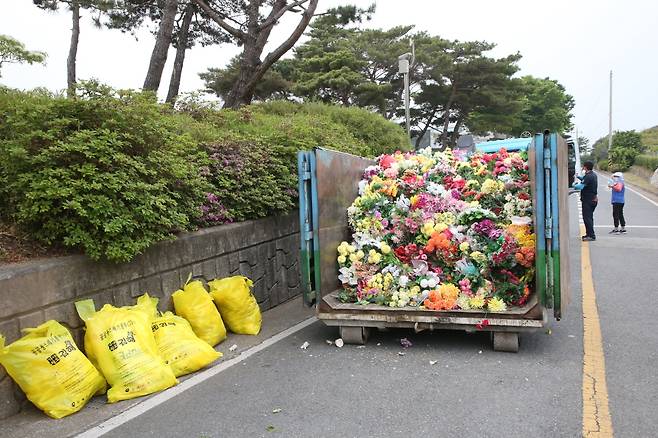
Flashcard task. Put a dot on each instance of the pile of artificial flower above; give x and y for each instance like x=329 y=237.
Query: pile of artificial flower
x=441 y=231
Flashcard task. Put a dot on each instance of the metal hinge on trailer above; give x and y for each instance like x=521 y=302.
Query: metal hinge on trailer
x=305 y=175
x=548 y=218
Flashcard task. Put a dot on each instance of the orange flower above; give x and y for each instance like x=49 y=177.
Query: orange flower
x=525 y=256
x=438 y=241
x=444 y=298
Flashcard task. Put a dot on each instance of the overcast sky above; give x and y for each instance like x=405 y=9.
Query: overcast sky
x=576 y=42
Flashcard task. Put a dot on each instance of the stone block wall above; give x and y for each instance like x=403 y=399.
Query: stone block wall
x=265 y=250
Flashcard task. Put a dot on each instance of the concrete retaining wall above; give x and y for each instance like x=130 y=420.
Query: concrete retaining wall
x=264 y=250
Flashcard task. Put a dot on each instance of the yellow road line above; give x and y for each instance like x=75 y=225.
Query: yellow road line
x=596 y=413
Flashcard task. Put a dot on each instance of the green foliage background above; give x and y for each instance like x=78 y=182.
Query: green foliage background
x=112 y=172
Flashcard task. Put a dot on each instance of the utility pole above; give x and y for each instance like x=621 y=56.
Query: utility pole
x=610 y=116
x=577 y=153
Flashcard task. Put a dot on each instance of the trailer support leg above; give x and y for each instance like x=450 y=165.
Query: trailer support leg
x=506 y=341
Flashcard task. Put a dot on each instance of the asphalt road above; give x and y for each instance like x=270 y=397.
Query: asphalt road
x=625 y=271
x=446 y=384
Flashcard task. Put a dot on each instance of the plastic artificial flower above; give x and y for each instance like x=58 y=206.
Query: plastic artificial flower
x=464 y=246
x=496 y=305
x=374 y=257
x=385 y=248
x=476 y=302
x=347 y=276
x=463 y=302
x=443 y=298
x=427 y=228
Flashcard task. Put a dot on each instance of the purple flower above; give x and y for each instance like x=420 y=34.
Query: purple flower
x=487 y=228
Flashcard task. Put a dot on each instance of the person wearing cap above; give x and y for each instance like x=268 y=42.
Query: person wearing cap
x=618 y=190
x=588 y=199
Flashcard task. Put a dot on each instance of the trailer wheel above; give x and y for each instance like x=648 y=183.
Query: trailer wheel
x=354 y=335
x=506 y=341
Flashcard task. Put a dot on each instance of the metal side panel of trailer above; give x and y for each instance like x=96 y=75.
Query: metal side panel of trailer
x=328 y=184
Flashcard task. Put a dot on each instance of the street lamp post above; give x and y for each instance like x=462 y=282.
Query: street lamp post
x=405 y=62
x=403 y=68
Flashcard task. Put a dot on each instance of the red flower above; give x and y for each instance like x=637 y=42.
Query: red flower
x=386 y=161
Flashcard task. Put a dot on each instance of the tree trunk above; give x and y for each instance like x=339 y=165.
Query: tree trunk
x=253 y=48
x=455 y=131
x=73 y=50
x=446 y=115
x=427 y=125
x=162 y=43
x=174 y=83
x=252 y=69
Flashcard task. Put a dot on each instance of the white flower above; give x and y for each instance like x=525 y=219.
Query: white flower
x=403 y=281
x=424 y=283
x=420 y=267
x=435 y=189
x=403 y=203
x=347 y=276
x=362 y=186
x=362 y=239
x=432 y=283
x=394 y=270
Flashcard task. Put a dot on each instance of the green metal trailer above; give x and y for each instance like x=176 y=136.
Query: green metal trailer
x=328 y=184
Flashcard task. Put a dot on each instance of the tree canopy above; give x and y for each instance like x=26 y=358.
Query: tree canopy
x=13 y=51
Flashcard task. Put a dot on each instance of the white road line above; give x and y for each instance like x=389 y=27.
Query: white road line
x=201 y=377
x=642 y=196
x=627 y=226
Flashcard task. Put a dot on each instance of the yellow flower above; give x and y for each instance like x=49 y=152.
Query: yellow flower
x=489 y=186
x=476 y=302
x=440 y=227
x=474 y=203
x=342 y=259
x=478 y=256
x=385 y=248
x=449 y=218
x=343 y=248
x=496 y=305
x=428 y=228
x=360 y=254
x=464 y=246
x=374 y=257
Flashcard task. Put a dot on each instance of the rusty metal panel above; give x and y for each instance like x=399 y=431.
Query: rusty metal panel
x=338 y=175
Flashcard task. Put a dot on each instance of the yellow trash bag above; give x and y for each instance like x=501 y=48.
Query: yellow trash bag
x=121 y=343
x=180 y=348
x=236 y=304
x=194 y=304
x=50 y=369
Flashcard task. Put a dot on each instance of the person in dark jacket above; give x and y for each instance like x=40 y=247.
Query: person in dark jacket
x=618 y=190
x=588 y=200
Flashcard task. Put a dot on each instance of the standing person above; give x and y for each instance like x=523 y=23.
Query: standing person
x=588 y=200
x=618 y=190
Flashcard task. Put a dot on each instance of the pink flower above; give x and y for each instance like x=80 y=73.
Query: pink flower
x=391 y=172
x=386 y=161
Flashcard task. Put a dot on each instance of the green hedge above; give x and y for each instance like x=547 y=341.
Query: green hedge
x=649 y=162
x=112 y=172
x=106 y=174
